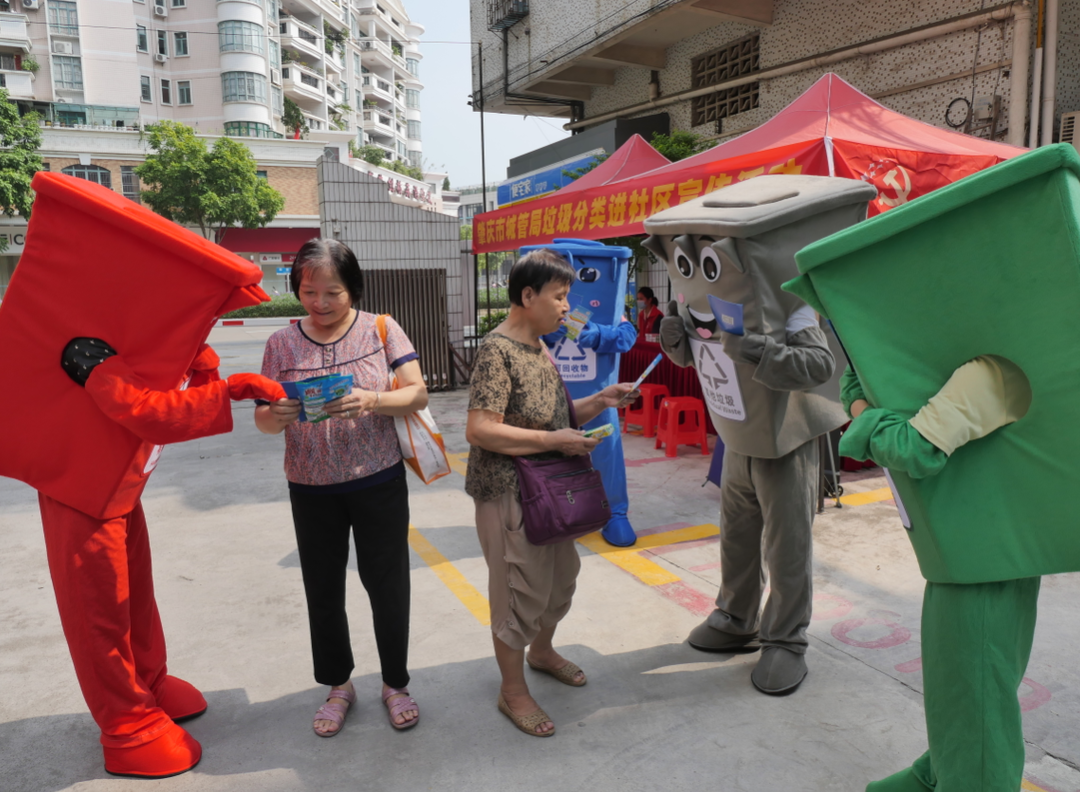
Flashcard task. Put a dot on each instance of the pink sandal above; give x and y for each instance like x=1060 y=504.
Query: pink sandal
x=334 y=712
x=400 y=706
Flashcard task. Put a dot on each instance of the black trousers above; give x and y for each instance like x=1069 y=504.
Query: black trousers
x=379 y=519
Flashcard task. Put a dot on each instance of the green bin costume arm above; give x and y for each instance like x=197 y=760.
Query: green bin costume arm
x=980 y=397
x=802 y=363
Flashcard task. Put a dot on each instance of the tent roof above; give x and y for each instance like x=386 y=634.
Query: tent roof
x=832 y=108
x=631 y=158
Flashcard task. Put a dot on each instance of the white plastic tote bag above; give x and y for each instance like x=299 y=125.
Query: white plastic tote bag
x=420 y=440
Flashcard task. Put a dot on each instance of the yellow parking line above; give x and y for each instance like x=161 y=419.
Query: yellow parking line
x=863 y=498
x=1030 y=787
x=458 y=462
x=450 y=576
x=628 y=559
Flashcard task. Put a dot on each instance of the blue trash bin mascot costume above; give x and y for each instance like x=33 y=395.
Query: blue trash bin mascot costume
x=591 y=361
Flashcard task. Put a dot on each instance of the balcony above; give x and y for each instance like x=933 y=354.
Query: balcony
x=301 y=37
x=506 y=13
x=334 y=63
x=378 y=123
x=387 y=54
x=301 y=85
x=19 y=84
x=13 y=32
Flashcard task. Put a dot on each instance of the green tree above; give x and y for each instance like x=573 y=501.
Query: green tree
x=20 y=138
x=213 y=189
x=466 y=232
x=405 y=169
x=577 y=173
x=446 y=183
x=679 y=144
x=293 y=118
x=371 y=154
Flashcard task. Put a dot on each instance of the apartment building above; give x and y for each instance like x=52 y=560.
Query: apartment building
x=221 y=66
x=722 y=67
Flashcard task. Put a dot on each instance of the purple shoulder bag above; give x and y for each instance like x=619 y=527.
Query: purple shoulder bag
x=561 y=499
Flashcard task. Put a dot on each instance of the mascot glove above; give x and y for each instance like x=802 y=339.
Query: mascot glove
x=206 y=359
x=851 y=389
x=254 y=386
x=589 y=337
x=745 y=348
x=82 y=355
x=982 y=395
x=674 y=341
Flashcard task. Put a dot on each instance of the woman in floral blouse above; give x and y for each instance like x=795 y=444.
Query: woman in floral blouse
x=346 y=474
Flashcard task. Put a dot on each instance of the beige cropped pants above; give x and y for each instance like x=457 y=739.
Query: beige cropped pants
x=529 y=587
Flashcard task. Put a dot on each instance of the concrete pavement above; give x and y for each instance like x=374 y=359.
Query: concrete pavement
x=656 y=714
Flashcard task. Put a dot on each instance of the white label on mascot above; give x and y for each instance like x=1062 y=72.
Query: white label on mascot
x=574 y=363
x=719 y=383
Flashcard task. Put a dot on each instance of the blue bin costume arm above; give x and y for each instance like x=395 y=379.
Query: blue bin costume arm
x=605 y=339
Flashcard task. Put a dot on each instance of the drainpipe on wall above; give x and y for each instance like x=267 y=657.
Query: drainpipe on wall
x=1018 y=77
x=1049 y=94
x=965 y=22
x=1036 y=81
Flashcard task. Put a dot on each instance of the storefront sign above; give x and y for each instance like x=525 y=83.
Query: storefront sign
x=284 y=270
x=15 y=237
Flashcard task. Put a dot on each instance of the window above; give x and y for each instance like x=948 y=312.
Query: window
x=401 y=149
x=249 y=129
x=7 y=62
x=733 y=60
x=415 y=158
x=180 y=48
x=359 y=98
x=179 y=3
x=183 y=92
x=94 y=173
x=63 y=18
x=278 y=100
x=261 y=174
x=144 y=85
x=238 y=36
x=275 y=54
x=67 y=72
x=243 y=87
x=412 y=98
x=272 y=7
x=129 y=183
x=166 y=92
x=140 y=39
x=355 y=64
x=162 y=42
x=414 y=130
x=413 y=65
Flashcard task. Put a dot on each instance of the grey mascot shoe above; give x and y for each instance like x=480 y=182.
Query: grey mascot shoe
x=779 y=671
x=709 y=639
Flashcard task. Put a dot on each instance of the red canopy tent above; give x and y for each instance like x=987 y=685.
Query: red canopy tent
x=831 y=130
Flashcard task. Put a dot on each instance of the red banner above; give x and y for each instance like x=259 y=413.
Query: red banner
x=620 y=208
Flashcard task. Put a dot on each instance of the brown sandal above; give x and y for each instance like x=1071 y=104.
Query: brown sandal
x=527 y=723
x=565 y=674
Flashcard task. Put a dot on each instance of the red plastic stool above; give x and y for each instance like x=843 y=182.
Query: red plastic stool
x=682 y=422
x=645 y=416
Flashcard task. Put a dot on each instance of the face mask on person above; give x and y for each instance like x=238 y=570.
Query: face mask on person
x=641 y=305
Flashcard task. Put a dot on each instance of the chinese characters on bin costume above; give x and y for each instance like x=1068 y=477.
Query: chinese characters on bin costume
x=113 y=329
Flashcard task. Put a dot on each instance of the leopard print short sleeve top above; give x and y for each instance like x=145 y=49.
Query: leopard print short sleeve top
x=520 y=383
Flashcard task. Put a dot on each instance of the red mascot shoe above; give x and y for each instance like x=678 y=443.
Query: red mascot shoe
x=173 y=753
x=181 y=700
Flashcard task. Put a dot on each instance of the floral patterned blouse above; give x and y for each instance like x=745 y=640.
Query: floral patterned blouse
x=335 y=451
x=520 y=383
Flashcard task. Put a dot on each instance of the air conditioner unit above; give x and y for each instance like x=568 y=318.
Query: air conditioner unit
x=160 y=10
x=1070 y=129
x=63 y=47
x=161 y=57
x=31 y=5
x=275 y=77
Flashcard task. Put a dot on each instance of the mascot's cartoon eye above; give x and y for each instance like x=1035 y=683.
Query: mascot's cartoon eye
x=710 y=265
x=684 y=264
x=588 y=274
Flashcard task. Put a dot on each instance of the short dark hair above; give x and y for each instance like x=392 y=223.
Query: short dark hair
x=329 y=254
x=537 y=268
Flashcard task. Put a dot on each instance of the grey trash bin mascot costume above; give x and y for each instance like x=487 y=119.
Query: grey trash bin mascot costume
x=739 y=244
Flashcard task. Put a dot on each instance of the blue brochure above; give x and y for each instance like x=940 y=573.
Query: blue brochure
x=728 y=314
x=314 y=392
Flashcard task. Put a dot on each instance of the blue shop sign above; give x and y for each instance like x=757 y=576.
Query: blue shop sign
x=284 y=270
x=538 y=183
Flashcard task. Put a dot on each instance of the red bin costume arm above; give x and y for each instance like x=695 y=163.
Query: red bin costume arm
x=162 y=417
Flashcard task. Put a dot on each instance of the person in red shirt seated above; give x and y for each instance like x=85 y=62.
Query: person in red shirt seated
x=649 y=314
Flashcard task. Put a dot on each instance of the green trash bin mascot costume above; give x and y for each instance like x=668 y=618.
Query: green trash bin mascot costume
x=935 y=303
x=762 y=374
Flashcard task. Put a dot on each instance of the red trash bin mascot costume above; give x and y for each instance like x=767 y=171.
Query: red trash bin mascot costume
x=98 y=266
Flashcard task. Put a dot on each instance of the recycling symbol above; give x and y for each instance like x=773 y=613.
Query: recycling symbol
x=718 y=376
x=568 y=349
